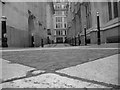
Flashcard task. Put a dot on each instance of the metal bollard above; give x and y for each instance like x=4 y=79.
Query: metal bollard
x=42 y=44
x=4 y=32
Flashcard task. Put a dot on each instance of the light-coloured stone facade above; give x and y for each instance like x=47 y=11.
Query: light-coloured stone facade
x=20 y=26
x=83 y=14
x=60 y=21
x=49 y=20
x=0 y=20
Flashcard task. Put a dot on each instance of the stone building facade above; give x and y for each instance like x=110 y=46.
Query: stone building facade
x=0 y=22
x=24 y=20
x=83 y=15
x=60 y=21
x=49 y=22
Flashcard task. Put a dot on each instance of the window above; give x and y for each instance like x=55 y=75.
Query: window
x=58 y=19
x=58 y=12
x=115 y=6
x=56 y=26
x=65 y=32
x=49 y=31
x=88 y=15
x=110 y=10
x=65 y=25
x=59 y=32
x=65 y=19
x=113 y=10
x=59 y=25
x=58 y=6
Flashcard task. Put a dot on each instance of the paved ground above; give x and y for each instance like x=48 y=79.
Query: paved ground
x=12 y=70
x=50 y=80
x=88 y=75
x=102 y=70
x=55 y=59
x=61 y=67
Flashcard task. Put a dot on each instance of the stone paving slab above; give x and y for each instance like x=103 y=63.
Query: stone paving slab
x=102 y=70
x=50 y=80
x=12 y=70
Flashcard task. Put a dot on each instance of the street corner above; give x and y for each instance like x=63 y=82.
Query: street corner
x=50 y=80
x=103 y=70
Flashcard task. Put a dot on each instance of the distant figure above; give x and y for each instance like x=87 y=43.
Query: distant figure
x=79 y=40
x=48 y=40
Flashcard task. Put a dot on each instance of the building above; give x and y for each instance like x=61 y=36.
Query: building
x=0 y=22
x=60 y=21
x=83 y=15
x=26 y=23
x=49 y=22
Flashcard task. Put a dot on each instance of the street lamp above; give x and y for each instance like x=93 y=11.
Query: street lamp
x=4 y=35
x=85 y=35
x=98 y=32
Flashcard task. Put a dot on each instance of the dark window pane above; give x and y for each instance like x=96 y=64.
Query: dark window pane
x=110 y=10
x=115 y=5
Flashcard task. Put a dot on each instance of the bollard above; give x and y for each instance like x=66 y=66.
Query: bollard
x=85 y=36
x=98 y=27
x=4 y=32
x=42 y=44
x=32 y=38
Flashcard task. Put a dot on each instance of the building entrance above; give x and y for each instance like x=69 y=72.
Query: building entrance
x=59 y=39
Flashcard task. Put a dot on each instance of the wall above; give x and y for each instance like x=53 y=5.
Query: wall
x=108 y=28
x=49 y=19
x=0 y=19
x=18 y=30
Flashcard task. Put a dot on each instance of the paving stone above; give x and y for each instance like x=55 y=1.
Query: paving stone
x=49 y=80
x=101 y=70
x=13 y=70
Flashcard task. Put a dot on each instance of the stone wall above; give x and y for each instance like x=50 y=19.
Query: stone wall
x=0 y=20
x=18 y=29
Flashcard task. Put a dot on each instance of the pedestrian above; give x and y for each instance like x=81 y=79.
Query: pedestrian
x=79 y=40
